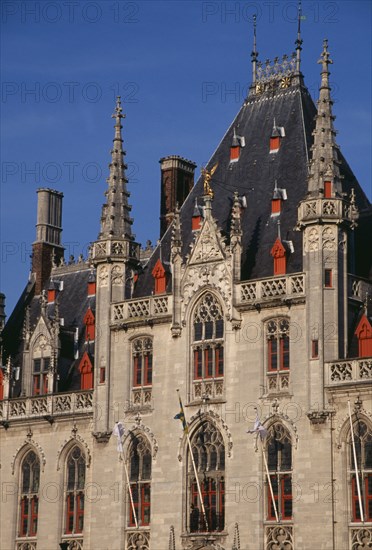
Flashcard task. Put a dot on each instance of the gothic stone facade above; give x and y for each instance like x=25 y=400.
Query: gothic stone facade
x=244 y=316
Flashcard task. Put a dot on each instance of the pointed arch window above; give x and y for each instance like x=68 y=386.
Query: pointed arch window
x=29 y=501
x=209 y=456
x=208 y=339
x=75 y=488
x=277 y=335
x=140 y=481
x=279 y=461
x=363 y=448
x=142 y=362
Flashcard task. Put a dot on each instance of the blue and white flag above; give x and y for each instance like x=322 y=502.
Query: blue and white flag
x=258 y=428
x=119 y=431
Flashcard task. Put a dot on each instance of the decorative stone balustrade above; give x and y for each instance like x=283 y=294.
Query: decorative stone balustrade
x=327 y=209
x=358 y=288
x=212 y=388
x=119 y=249
x=288 y=286
x=349 y=371
x=53 y=405
x=155 y=306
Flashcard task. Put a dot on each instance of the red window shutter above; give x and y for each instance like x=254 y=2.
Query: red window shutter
x=208 y=362
x=137 y=370
x=284 y=353
x=34 y=514
x=270 y=506
x=276 y=206
x=148 y=369
x=195 y=223
x=274 y=143
x=327 y=189
x=328 y=278
x=355 y=500
x=234 y=152
x=146 y=504
x=79 y=513
x=272 y=354
x=219 y=360
x=198 y=364
x=24 y=517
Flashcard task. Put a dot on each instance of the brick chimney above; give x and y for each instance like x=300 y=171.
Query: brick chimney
x=177 y=180
x=48 y=236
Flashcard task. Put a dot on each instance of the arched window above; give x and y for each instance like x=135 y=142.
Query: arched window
x=140 y=480
x=279 y=461
x=142 y=362
x=29 y=502
x=277 y=334
x=208 y=334
x=75 y=485
x=208 y=450
x=363 y=448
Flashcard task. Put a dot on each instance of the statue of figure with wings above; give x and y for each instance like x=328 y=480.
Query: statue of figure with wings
x=207 y=176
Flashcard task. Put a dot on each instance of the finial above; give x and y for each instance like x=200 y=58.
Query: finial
x=254 y=54
x=325 y=60
x=118 y=113
x=299 y=40
x=207 y=176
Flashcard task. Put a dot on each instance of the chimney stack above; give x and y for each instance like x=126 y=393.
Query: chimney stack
x=48 y=236
x=177 y=180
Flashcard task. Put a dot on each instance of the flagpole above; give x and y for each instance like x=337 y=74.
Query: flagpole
x=130 y=495
x=356 y=465
x=195 y=470
x=269 y=480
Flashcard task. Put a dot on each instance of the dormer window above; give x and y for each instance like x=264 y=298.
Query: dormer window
x=238 y=142
x=86 y=372
x=278 y=252
x=53 y=289
x=279 y=196
x=276 y=136
x=92 y=284
x=197 y=217
x=160 y=277
x=364 y=335
x=327 y=189
x=89 y=322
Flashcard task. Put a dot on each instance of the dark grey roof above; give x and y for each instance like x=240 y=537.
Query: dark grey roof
x=254 y=175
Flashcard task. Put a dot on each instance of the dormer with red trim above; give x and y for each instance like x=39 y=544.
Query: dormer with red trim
x=276 y=137
x=278 y=252
x=89 y=322
x=238 y=142
x=197 y=217
x=279 y=196
x=86 y=372
x=53 y=289
x=364 y=335
x=160 y=277
x=92 y=284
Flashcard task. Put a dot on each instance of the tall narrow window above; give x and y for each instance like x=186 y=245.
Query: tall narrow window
x=29 y=502
x=40 y=376
x=363 y=448
x=208 y=334
x=75 y=486
x=277 y=334
x=140 y=481
x=209 y=456
x=279 y=461
x=142 y=362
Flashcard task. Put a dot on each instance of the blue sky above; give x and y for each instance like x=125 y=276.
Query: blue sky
x=182 y=69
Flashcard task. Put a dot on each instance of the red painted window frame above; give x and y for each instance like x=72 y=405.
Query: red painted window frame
x=70 y=512
x=284 y=352
x=314 y=349
x=34 y=516
x=140 y=504
x=148 y=369
x=208 y=362
x=80 y=508
x=328 y=276
x=219 y=360
x=272 y=351
x=198 y=364
x=137 y=370
x=23 y=526
x=365 y=501
x=283 y=497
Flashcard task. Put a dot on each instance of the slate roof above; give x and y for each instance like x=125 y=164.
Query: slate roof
x=73 y=304
x=254 y=176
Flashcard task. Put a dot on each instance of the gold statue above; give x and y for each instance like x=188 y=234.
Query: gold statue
x=207 y=176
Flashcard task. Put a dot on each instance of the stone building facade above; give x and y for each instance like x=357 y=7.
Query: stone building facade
x=254 y=306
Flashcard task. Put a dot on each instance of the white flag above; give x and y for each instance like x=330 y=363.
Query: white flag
x=258 y=428
x=119 y=432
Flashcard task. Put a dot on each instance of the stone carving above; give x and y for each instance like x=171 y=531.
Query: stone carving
x=138 y=540
x=138 y=428
x=117 y=275
x=361 y=539
x=74 y=544
x=279 y=538
x=103 y=276
x=209 y=244
x=312 y=241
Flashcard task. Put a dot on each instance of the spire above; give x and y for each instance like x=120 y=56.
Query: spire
x=115 y=219
x=299 y=40
x=254 y=54
x=324 y=166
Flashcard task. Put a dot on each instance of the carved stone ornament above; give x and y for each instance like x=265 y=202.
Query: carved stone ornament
x=204 y=543
x=312 y=240
x=343 y=427
x=103 y=275
x=29 y=443
x=139 y=427
x=84 y=446
x=117 y=275
x=209 y=245
x=102 y=437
